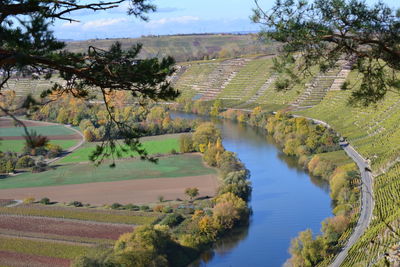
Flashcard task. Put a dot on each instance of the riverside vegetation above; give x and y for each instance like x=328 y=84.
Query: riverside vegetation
x=181 y=236
x=317 y=150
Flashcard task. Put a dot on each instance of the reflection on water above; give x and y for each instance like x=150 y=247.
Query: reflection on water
x=285 y=200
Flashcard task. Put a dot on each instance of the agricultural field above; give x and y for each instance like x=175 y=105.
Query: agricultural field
x=185 y=47
x=152 y=145
x=69 y=232
x=12 y=138
x=167 y=167
x=18 y=145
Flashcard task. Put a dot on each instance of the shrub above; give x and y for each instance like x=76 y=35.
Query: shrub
x=45 y=201
x=131 y=207
x=172 y=219
x=116 y=206
x=158 y=208
x=76 y=204
x=53 y=150
x=144 y=208
x=192 y=192
x=29 y=200
x=160 y=198
x=25 y=162
x=167 y=209
x=40 y=166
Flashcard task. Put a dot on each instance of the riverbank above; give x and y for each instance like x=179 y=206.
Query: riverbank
x=258 y=118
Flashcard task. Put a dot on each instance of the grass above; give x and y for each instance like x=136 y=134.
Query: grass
x=126 y=217
x=43 y=130
x=337 y=157
x=42 y=248
x=18 y=145
x=96 y=241
x=167 y=167
x=163 y=146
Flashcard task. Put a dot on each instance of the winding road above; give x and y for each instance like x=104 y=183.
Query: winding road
x=367 y=203
x=367 y=199
x=71 y=149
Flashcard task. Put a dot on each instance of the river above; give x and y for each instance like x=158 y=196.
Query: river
x=285 y=200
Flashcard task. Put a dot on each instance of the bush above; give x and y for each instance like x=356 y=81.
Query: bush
x=53 y=150
x=116 y=206
x=131 y=207
x=172 y=219
x=167 y=209
x=144 y=208
x=29 y=200
x=25 y=162
x=158 y=208
x=76 y=204
x=45 y=201
x=40 y=166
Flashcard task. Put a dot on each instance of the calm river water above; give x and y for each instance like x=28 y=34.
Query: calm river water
x=285 y=200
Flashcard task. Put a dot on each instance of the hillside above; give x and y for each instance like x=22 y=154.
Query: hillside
x=185 y=47
x=249 y=82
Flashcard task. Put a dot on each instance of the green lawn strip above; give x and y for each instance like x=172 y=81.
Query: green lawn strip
x=18 y=145
x=89 y=215
x=152 y=147
x=337 y=157
x=77 y=239
x=43 y=248
x=43 y=130
x=167 y=167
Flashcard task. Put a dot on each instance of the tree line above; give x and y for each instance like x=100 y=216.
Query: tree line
x=180 y=241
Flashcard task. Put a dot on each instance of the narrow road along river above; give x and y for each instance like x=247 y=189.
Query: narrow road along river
x=285 y=201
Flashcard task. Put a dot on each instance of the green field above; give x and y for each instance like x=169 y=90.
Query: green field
x=18 y=145
x=162 y=146
x=167 y=167
x=43 y=130
x=84 y=214
x=42 y=248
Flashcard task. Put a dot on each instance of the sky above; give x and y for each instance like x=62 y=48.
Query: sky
x=172 y=17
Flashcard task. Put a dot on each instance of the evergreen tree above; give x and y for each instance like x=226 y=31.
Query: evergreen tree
x=324 y=31
x=29 y=47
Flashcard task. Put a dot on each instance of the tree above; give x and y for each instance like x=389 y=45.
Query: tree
x=205 y=133
x=216 y=108
x=34 y=141
x=30 y=47
x=192 y=192
x=324 y=31
x=9 y=168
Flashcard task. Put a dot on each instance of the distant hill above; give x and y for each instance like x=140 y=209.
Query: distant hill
x=186 y=47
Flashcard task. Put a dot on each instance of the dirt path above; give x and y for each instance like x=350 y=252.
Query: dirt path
x=124 y=192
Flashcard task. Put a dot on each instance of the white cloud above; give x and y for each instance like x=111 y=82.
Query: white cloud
x=94 y=24
x=180 y=20
x=71 y=24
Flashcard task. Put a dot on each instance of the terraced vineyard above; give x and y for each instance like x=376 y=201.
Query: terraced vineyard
x=25 y=86
x=374 y=132
x=244 y=82
x=248 y=80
